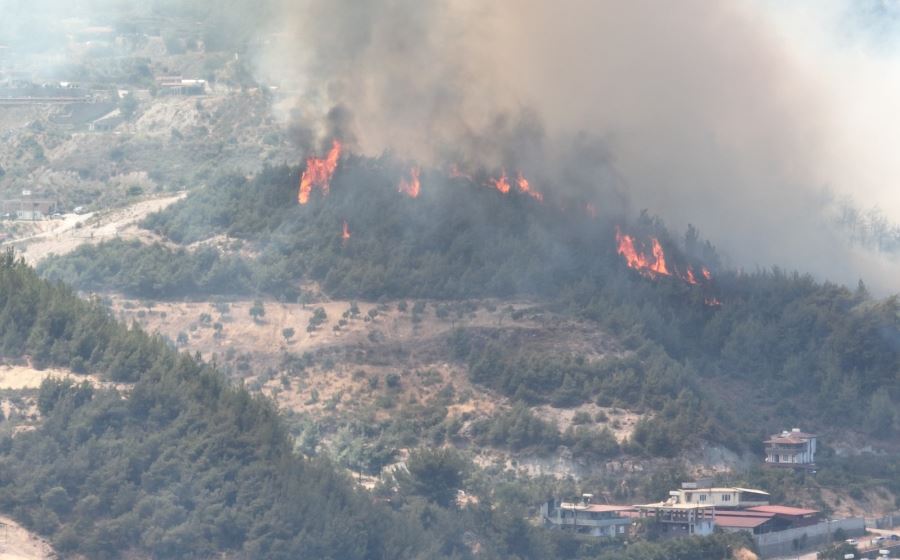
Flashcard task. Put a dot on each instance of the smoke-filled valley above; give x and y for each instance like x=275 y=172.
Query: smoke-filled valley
x=379 y=280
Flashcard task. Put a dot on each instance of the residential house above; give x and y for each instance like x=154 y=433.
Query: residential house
x=703 y=493
x=27 y=208
x=581 y=516
x=679 y=519
x=793 y=449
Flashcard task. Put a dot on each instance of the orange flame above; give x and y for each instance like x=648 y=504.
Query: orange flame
x=318 y=173
x=660 y=266
x=455 y=173
x=412 y=186
x=345 y=233
x=633 y=258
x=637 y=259
x=706 y=273
x=524 y=187
x=712 y=302
x=690 y=276
x=501 y=184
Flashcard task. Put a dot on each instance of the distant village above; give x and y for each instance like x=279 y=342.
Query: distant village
x=700 y=508
x=85 y=107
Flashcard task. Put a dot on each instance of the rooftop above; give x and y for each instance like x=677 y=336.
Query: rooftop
x=596 y=508
x=744 y=513
x=784 y=510
x=667 y=505
x=725 y=490
x=795 y=432
x=743 y=522
x=789 y=440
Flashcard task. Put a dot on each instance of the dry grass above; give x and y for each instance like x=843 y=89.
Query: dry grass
x=350 y=357
x=26 y=377
x=620 y=422
x=16 y=543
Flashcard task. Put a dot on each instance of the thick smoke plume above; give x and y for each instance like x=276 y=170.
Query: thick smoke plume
x=708 y=113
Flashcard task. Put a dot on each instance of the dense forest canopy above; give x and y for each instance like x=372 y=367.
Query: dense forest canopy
x=776 y=331
x=183 y=465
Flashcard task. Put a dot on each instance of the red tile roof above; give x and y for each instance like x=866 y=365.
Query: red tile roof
x=743 y=513
x=784 y=510
x=748 y=522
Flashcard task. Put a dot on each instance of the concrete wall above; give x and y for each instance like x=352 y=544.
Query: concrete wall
x=793 y=540
x=887 y=522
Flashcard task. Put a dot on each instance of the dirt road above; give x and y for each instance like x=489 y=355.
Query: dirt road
x=65 y=234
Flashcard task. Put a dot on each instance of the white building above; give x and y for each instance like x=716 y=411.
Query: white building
x=720 y=497
x=793 y=449
x=680 y=520
x=582 y=516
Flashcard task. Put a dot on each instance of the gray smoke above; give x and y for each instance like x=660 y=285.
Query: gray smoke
x=748 y=118
x=704 y=113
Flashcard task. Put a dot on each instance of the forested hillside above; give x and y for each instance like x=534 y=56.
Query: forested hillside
x=828 y=353
x=182 y=465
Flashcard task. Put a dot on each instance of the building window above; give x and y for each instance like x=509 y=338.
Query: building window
x=726 y=498
x=702 y=497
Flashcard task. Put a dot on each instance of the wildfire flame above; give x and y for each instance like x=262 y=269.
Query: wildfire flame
x=412 y=186
x=318 y=173
x=712 y=302
x=637 y=259
x=690 y=276
x=524 y=187
x=654 y=264
x=501 y=184
x=659 y=266
x=345 y=232
x=456 y=173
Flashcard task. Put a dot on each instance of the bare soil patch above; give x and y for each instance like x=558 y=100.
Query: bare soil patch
x=64 y=235
x=16 y=543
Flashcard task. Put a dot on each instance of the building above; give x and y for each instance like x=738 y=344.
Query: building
x=793 y=449
x=766 y=519
x=679 y=520
x=757 y=523
x=176 y=85
x=27 y=208
x=694 y=509
x=703 y=493
x=787 y=517
x=582 y=516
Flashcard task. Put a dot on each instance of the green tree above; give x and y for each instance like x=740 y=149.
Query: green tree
x=257 y=310
x=128 y=105
x=434 y=474
x=838 y=552
x=881 y=415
